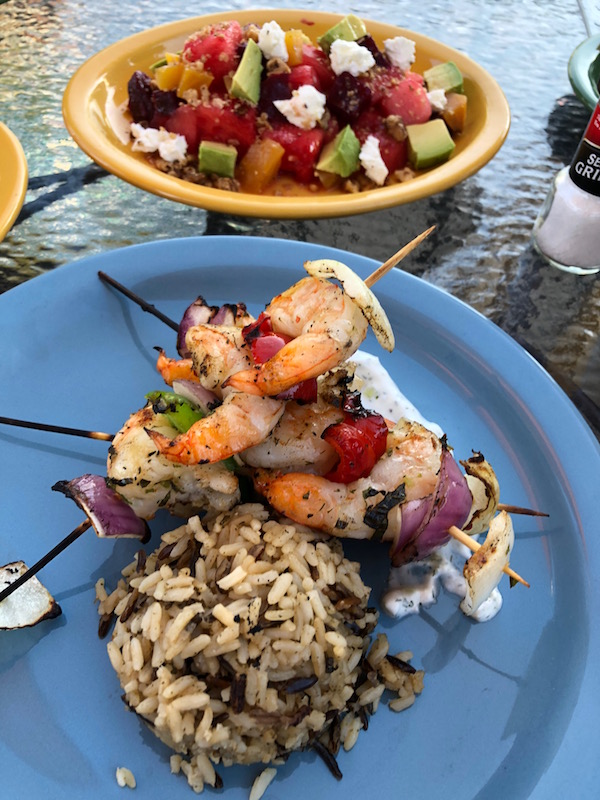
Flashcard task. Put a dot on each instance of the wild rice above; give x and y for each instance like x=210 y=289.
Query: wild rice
x=246 y=640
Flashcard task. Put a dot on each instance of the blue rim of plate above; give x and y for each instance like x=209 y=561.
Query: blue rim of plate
x=584 y=71
x=494 y=717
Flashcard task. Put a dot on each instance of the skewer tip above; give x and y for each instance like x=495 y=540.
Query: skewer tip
x=469 y=542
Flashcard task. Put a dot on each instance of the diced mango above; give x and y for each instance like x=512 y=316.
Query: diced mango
x=173 y=58
x=260 y=165
x=455 y=113
x=168 y=77
x=294 y=39
x=193 y=78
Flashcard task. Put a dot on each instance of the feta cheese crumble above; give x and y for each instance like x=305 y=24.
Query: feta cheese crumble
x=171 y=146
x=437 y=98
x=350 y=57
x=271 y=40
x=305 y=107
x=400 y=51
x=372 y=162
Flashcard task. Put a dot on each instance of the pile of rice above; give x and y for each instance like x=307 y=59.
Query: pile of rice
x=247 y=639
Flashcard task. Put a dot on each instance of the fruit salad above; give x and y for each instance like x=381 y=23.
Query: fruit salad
x=241 y=108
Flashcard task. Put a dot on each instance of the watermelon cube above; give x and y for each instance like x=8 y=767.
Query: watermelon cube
x=393 y=152
x=302 y=149
x=217 y=47
x=227 y=122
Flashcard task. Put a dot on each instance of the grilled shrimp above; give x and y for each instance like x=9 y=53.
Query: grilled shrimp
x=217 y=351
x=149 y=481
x=241 y=421
x=325 y=326
x=175 y=369
x=412 y=461
x=295 y=443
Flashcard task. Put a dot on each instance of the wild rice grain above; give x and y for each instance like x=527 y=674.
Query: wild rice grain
x=256 y=649
x=261 y=783
x=125 y=777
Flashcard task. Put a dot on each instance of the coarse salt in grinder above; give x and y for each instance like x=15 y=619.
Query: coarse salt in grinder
x=567 y=230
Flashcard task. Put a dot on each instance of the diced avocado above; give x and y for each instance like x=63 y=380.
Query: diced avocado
x=217 y=158
x=340 y=156
x=245 y=83
x=350 y=29
x=446 y=76
x=428 y=144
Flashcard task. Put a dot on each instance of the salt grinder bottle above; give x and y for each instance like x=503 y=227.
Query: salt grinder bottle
x=567 y=230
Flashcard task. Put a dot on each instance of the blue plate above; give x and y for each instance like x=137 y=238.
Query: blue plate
x=510 y=707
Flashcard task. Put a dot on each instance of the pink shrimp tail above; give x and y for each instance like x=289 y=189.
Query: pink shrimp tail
x=173 y=449
x=247 y=380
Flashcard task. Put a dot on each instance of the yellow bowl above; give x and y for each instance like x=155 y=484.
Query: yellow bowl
x=86 y=95
x=13 y=179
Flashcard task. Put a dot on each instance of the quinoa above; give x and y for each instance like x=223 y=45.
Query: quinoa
x=249 y=638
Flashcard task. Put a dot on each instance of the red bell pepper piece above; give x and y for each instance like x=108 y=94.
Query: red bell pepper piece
x=264 y=344
x=360 y=440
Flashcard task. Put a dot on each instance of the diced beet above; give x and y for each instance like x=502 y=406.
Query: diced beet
x=393 y=152
x=184 y=122
x=227 y=123
x=348 y=97
x=165 y=103
x=139 y=90
x=381 y=60
x=304 y=74
x=302 y=149
x=315 y=57
x=408 y=100
x=217 y=47
x=274 y=87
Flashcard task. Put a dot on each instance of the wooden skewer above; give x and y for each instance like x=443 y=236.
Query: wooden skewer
x=529 y=512
x=397 y=257
x=42 y=426
x=139 y=300
x=469 y=542
x=62 y=545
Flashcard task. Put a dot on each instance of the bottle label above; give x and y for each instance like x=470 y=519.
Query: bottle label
x=585 y=167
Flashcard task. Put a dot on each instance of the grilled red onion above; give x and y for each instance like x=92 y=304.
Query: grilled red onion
x=197 y=395
x=109 y=514
x=200 y=313
x=425 y=522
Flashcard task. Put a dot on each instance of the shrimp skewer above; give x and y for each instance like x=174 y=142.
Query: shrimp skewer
x=325 y=326
x=369 y=507
x=241 y=421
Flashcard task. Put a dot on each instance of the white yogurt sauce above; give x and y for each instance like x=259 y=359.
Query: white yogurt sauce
x=415 y=585
x=380 y=393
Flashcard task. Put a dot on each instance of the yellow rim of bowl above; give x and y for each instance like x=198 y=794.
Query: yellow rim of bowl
x=13 y=179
